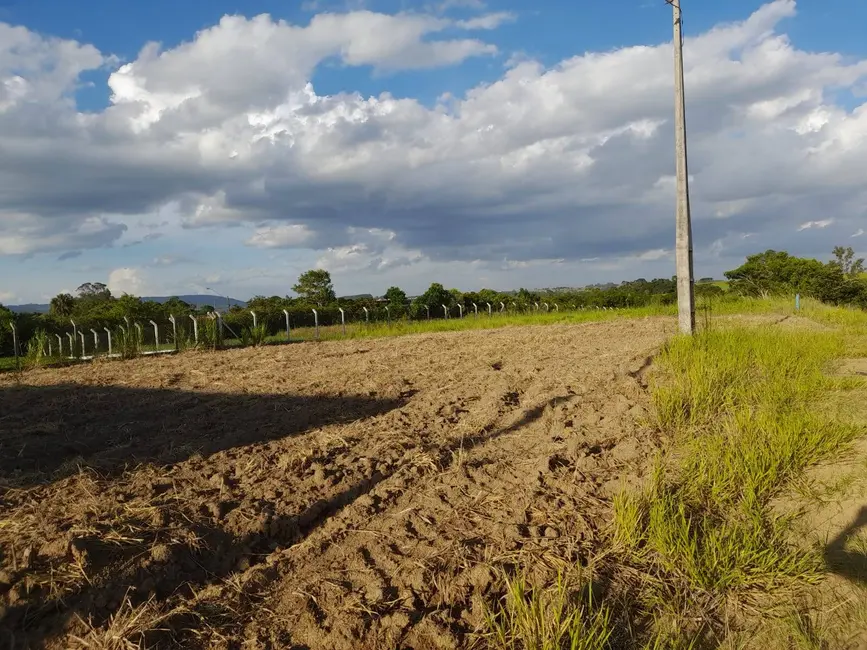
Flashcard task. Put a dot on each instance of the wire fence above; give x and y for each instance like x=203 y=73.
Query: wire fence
x=242 y=328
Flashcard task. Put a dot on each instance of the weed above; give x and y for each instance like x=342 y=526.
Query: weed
x=552 y=618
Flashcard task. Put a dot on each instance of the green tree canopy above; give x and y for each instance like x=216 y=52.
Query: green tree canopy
x=62 y=305
x=844 y=259
x=396 y=297
x=315 y=287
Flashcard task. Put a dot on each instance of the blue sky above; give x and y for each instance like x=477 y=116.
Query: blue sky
x=170 y=186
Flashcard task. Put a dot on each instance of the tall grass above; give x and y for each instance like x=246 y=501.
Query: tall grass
x=744 y=409
x=553 y=618
x=128 y=342
x=37 y=349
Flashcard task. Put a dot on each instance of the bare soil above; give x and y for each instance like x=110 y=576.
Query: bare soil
x=358 y=494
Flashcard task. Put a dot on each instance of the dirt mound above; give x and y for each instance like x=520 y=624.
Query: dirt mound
x=338 y=495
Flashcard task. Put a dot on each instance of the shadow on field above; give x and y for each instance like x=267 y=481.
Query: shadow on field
x=47 y=432
x=851 y=564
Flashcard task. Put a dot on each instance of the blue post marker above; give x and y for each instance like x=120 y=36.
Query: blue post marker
x=798 y=302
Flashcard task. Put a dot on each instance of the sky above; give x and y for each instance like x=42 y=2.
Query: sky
x=227 y=146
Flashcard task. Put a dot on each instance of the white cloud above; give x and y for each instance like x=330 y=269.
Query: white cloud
x=824 y=223
x=126 y=280
x=572 y=161
x=857 y=233
x=285 y=236
x=6 y=296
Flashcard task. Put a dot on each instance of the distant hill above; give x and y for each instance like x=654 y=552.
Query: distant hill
x=197 y=300
x=200 y=300
x=28 y=309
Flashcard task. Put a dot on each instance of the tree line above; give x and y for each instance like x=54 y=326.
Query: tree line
x=839 y=281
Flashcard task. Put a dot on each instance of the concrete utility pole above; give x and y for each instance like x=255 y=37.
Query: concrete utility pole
x=683 y=240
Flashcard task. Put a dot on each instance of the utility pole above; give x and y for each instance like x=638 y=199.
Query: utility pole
x=683 y=228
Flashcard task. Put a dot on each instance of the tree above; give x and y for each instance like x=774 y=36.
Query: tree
x=62 y=306
x=774 y=272
x=396 y=297
x=844 y=259
x=315 y=287
x=93 y=291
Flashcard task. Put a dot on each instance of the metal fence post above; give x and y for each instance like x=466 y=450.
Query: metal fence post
x=195 y=328
x=366 y=315
x=388 y=316
x=156 y=336
x=502 y=307
x=174 y=331
x=460 y=310
x=15 y=346
x=316 y=323
x=71 y=345
x=490 y=311
x=427 y=307
x=797 y=302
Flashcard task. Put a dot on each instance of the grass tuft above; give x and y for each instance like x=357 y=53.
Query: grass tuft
x=560 y=616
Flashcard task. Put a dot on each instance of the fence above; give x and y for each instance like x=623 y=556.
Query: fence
x=239 y=328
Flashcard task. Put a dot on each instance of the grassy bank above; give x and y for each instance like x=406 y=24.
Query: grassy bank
x=701 y=552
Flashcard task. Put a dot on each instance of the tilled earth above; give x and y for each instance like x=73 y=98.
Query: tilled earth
x=344 y=495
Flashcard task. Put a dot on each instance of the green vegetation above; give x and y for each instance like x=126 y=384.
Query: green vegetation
x=744 y=410
x=549 y=618
x=777 y=273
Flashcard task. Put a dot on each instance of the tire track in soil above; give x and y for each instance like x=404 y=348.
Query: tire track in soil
x=380 y=533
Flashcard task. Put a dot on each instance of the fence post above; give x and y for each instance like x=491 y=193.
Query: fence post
x=460 y=310
x=95 y=342
x=388 y=316
x=427 y=307
x=537 y=305
x=476 y=309
x=255 y=322
x=316 y=322
x=59 y=344
x=797 y=302
x=288 y=331
x=502 y=307
x=556 y=307
x=83 y=345
x=342 y=319
x=50 y=348
x=547 y=306
x=71 y=345
x=108 y=333
x=445 y=312
x=156 y=335
x=15 y=346
x=174 y=331
x=366 y=315
x=195 y=328
x=490 y=311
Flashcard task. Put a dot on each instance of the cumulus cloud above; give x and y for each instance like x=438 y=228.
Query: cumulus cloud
x=568 y=162
x=126 y=280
